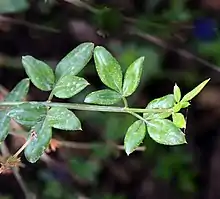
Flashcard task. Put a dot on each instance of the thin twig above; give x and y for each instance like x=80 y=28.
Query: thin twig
x=87 y=146
x=88 y=107
x=182 y=52
x=28 y=24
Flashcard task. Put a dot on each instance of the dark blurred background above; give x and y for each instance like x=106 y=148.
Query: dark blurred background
x=180 y=40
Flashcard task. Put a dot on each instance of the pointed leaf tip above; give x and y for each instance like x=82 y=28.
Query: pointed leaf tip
x=132 y=77
x=189 y=96
x=134 y=136
x=108 y=68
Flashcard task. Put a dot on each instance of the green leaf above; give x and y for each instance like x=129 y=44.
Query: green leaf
x=134 y=136
x=40 y=73
x=75 y=61
x=62 y=118
x=165 y=102
x=19 y=92
x=11 y=6
x=39 y=143
x=69 y=85
x=179 y=120
x=165 y=132
x=108 y=68
x=184 y=104
x=195 y=91
x=28 y=114
x=177 y=107
x=177 y=93
x=132 y=77
x=4 y=125
x=103 y=97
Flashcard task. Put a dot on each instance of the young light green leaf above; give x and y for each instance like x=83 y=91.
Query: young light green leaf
x=195 y=91
x=103 y=97
x=165 y=132
x=176 y=93
x=165 y=102
x=28 y=114
x=40 y=73
x=75 y=61
x=69 y=85
x=62 y=118
x=179 y=120
x=108 y=68
x=134 y=136
x=39 y=142
x=177 y=107
x=19 y=92
x=4 y=125
x=184 y=104
x=132 y=77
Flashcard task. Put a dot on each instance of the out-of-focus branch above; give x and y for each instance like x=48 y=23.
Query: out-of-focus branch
x=28 y=194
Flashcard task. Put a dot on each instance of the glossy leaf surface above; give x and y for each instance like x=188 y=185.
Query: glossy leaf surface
x=176 y=93
x=39 y=143
x=179 y=120
x=69 y=86
x=132 y=77
x=103 y=97
x=28 y=114
x=134 y=136
x=75 y=60
x=165 y=132
x=40 y=73
x=62 y=118
x=108 y=68
x=165 y=102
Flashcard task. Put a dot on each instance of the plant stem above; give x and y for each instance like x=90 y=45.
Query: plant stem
x=125 y=102
x=86 y=107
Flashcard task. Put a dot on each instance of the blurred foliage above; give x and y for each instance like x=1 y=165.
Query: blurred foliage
x=13 y=6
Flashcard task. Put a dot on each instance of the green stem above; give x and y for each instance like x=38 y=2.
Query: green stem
x=125 y=102
x=139 y=117
x=50 y=97
x=86 y=107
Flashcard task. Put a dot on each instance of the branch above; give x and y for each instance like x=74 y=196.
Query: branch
x=86 y=107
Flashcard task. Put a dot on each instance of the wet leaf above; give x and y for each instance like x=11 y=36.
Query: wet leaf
x=62 y=118
x=39 y=142
x=134 y=136
x=165 y=102
x=108 y=68
x=132 y=77
x=28 y=114
x=40 y=73
x=195 y=91
x=69 y=85
x=165 y=132
x=75 y=61
x=103 y=97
